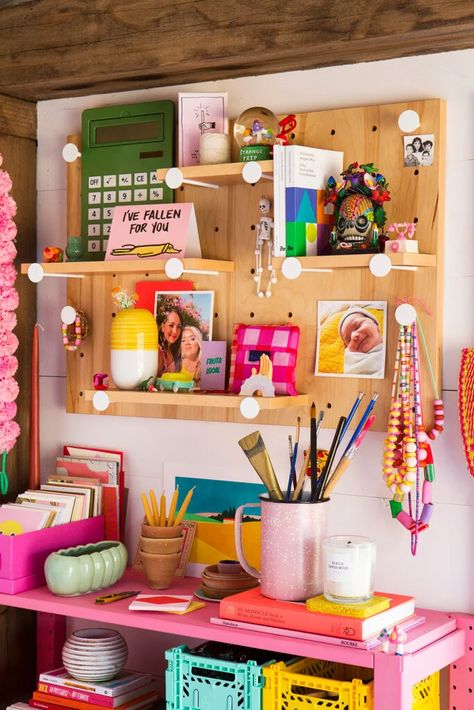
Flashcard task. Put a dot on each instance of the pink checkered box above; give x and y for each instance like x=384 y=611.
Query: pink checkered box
x=279 y=342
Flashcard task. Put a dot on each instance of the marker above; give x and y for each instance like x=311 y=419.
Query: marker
x=109 y=598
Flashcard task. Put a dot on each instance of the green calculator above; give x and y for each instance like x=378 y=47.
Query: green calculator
x=122 y=147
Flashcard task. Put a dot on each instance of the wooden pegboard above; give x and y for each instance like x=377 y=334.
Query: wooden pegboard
x=226 y=219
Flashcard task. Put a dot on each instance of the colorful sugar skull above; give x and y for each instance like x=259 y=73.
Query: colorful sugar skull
x=358 y=211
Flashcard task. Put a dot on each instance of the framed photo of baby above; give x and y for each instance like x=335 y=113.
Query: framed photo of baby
x=184 y=320
x=351 y=339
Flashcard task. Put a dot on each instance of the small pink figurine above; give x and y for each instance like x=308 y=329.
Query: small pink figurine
x=100 y=381
x=384 y=637
x=398 y=637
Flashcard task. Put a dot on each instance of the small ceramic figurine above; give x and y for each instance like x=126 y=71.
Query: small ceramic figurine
x=260 y=385
x=403 y=243
x=264 y=240
x=384 y=637
x=358 y=210
x=398 y=637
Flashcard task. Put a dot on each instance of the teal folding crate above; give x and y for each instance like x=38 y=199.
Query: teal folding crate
x=200 y=682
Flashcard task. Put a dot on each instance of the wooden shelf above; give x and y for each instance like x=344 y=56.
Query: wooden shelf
x=361 y=261
x=223 y=400
x=221 y=174
x=130 y=266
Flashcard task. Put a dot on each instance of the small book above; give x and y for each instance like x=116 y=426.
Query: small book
x=45 y=701
x=251 y=606
x=121 y=684
x=74 y=692
x=173 y=603
x=373 y=606
x=17 y=519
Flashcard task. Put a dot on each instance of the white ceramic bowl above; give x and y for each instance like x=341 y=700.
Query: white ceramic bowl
x=95 y=654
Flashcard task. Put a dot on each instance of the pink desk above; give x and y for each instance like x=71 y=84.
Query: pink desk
x=439 y=642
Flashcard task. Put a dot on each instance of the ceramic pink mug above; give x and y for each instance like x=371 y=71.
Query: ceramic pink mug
x=291 y=553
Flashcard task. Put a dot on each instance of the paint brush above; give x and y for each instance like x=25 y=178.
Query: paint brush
x=301 y=477
x=253 y=447
x=344 y=463
x=313 y=452
x=327 y=467
x=350 y=416
x=293 y=457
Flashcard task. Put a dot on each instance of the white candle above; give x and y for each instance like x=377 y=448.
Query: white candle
x=349 y=564
x=214 y=148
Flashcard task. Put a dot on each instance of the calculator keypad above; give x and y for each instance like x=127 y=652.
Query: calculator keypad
x=106 y=191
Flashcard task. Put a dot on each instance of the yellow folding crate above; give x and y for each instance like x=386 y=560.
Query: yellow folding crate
x=324 y=685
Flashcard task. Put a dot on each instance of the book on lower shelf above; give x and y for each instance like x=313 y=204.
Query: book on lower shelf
x=123 y=683
x=252 y=607
x=46 y=701
x=371 y=642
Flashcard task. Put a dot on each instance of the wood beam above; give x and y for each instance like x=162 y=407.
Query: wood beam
x=52 y=49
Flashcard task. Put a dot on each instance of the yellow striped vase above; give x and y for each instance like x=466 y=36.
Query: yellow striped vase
x=134 y=347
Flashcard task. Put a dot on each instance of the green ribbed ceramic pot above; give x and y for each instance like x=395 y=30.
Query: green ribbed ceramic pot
x=85 y=568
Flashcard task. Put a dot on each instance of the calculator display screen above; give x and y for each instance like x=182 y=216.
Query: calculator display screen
x=125 y=132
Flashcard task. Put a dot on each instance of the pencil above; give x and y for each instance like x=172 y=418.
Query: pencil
x=174 y=502
x=184 y=507
x=350 y=416
x=327 y=467
x=154 y=508
x=313 y=452
x=147 y=509
x=163 y=510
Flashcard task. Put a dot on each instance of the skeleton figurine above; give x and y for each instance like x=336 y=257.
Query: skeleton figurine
x=264 y=239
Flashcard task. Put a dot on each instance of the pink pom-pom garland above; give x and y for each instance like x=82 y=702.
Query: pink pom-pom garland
x=8 y=389
x=8 y=343
x=7 y=411
x=7 y=274
x=8 y=366
x=9 y=429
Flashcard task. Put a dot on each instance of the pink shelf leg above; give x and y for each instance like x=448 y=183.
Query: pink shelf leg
x=50 y=637
x=461 y=672
x=392 y=690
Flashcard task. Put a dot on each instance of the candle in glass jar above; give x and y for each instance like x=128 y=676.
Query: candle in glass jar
x=349 y=565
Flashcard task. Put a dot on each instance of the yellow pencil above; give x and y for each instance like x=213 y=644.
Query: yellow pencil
x=147 y=509
x=163 y=510
x=154 y=507
x=172 y=509
x=184 y=507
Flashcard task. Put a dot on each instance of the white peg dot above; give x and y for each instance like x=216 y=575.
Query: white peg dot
x=249 y=407
x=291 y=267
x=408 y=121
x=71 y=152
x=251 y=172
x=174 y=178
x=174 y=268
x=35 y=273
x=68 y=315
x=380 y=265
x=101 y=401
x=405 y=314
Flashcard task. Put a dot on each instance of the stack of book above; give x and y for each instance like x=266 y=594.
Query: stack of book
x=86 y=483
x=357 y=625
x=128 y=691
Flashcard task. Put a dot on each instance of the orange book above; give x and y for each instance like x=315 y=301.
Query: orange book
x=142 y=701
x=252 y=607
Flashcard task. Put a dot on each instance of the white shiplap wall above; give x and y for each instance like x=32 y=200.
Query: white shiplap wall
x=442 y=574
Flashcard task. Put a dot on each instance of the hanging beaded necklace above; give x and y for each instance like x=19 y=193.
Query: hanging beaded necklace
x=408 y=468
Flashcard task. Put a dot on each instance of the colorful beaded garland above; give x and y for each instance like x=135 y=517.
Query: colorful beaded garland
x=407 y=457
x=466 y=405
x=78 y=334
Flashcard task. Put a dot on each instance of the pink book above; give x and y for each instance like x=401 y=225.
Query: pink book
x=251 y=606
x=61 y=692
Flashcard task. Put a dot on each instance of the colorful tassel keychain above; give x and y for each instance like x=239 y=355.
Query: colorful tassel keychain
x=466 y=405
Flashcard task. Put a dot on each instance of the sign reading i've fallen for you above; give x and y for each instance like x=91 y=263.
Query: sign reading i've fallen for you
x=154 y=232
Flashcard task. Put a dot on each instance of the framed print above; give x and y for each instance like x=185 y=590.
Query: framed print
x=351 y=339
